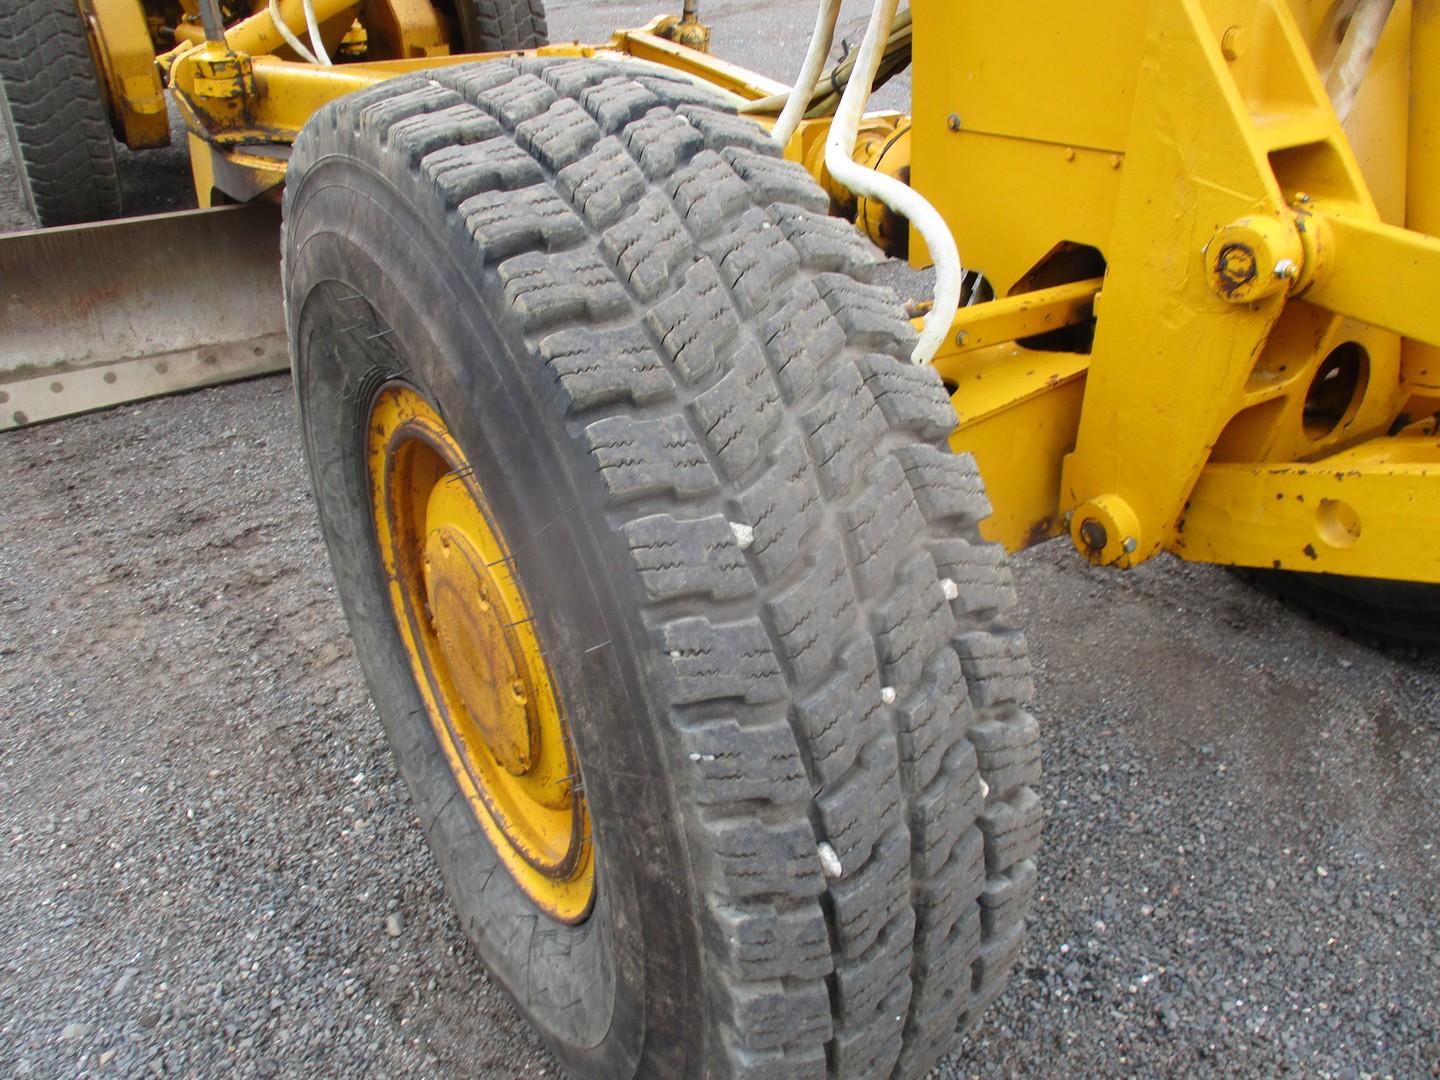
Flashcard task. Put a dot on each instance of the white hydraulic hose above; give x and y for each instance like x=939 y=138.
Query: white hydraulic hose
x=901 y=198
x=289 y=35
x=1352 y=61
x=313 y=25
x=804 y=88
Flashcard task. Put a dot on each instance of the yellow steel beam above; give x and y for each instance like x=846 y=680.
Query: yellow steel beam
x=1373 y=511
x=1012 y=318
x=1380 y=274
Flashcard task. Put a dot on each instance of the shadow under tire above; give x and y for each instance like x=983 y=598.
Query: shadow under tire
x=783 y=651
x=55 y=115
x=1405 y=613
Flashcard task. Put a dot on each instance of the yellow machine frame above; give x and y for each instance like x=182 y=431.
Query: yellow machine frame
x=1217 y=328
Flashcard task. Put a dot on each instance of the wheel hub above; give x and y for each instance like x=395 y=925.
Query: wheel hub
x=482 y=652
x=470 y=639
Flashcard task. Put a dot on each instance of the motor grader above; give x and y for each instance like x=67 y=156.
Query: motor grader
x=660 y=526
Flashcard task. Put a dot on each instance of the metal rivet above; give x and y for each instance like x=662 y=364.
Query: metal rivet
x=953 y=121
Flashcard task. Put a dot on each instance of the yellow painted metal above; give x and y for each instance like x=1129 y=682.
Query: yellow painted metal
x=1012 y=318
x=470 y=637
x=1420 y=365
x=126 y=56
x=647 y=44
x=404 y=29
x=1369 y=511
x=1261 y=261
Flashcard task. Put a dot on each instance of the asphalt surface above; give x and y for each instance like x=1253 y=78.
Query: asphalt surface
x=209 y=865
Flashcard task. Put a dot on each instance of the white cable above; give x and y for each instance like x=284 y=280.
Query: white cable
x=1352 y=60
x=804 y=89
x=901 y=198
x=289 y=36
x=313 y=25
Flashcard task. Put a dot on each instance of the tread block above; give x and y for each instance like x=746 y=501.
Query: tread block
x=1008 y=750
x=997 y=957
x=646 y=457
x=379 y=115
x=459 y=125
x=687 y=558
x=775 y=180
x=870 y=314
x=707 y=193
x=570 y=77
x=912 y=398
x=882 y=976
x=768 y=944
x=946 y=485
x=678 y=90
x=662 y=141
x=737 y=415
x=793 y=1063
x=843 y=429
x=602 y=183
x=711 y=662
x=981 y=575
x=733 y=763
x=772 y=1017
x=996 y=666
x=873 y=894
x=616 y=101
x=560 y=136
x=844 y=714
x=943 y=898
x=827 y=243
x=472 y=80
x=863 y=804
x=942 y=812
x=521 y=98
x=803 y=337
x=595 y=367
x=459 y=172
x=879 y=524
x=695 y=323
x=546 y=289
x=1006 y=897
x=755 y=260
x=1012 y=830
x=506 y=223
x=722 y=129
x=761 y=859
x=812 y=616
x=933 y=718
x=648 y=246
x=782 y=506
x=870 y=1050
x=913 y=624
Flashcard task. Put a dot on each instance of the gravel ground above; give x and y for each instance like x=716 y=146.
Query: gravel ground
x=209 y=864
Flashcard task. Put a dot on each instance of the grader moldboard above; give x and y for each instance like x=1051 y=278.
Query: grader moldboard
x=660 y=528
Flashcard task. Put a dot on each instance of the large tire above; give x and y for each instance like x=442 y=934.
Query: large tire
x=501 y=25
x=795 y=701
x=55 y=115
x=1404 y=613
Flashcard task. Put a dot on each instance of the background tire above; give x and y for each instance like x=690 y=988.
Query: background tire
x=55 y=114
x=501 y=25
x=794 y=697
x=1371 y=609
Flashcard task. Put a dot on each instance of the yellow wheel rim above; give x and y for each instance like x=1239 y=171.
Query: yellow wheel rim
x=470 y=639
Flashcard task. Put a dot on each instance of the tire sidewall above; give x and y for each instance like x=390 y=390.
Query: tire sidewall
x=593 y=991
